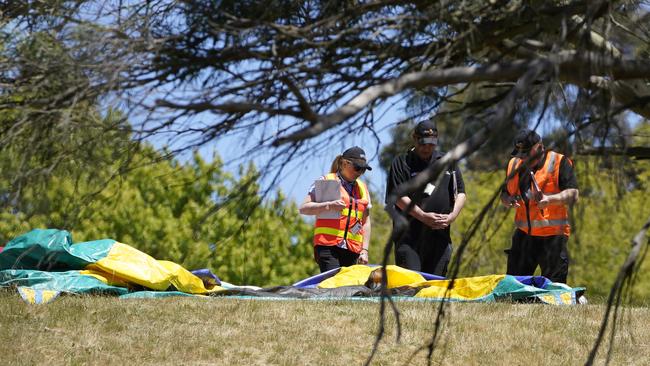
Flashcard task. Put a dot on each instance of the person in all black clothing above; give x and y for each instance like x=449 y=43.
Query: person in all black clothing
x=426 y=245
x=541 y=185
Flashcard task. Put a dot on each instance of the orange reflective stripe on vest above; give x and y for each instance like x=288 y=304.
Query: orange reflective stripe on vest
x=552 y=220
x=332 y=231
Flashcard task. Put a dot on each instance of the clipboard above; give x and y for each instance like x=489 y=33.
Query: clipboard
x=327 y=190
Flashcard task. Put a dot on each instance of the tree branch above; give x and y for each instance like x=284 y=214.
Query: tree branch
x=623 y=274
x=572 y=67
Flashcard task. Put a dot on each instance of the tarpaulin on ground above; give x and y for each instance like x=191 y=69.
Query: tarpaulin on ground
x=44 y=263
x=405 y=283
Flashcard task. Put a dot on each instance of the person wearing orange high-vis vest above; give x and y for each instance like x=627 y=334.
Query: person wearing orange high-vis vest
x=540 y=185
x=342 y=239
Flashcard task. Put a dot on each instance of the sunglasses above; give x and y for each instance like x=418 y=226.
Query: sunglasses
x=358 y=168
x=428 y=141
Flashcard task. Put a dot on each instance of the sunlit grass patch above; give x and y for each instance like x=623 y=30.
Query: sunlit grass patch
x=105 y=330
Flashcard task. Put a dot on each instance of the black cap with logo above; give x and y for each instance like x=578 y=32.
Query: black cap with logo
x=357 y=156
x=524 y=141
x=426 y=129
x=426 y=133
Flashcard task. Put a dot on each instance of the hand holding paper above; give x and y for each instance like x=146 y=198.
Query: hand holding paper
x=329 y=190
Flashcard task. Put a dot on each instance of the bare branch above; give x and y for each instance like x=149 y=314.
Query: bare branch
x=572 y=67
x=625 y=273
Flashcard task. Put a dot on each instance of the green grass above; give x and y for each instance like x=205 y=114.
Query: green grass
x=102 y=330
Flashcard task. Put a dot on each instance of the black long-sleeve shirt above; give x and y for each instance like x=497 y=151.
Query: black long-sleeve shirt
x=405 y=167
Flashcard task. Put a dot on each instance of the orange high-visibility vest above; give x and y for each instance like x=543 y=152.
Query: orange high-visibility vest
x=328 y=232
x=552 y=220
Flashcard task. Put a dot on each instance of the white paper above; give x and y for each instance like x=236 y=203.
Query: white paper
x=429 y=189
x=327 y=190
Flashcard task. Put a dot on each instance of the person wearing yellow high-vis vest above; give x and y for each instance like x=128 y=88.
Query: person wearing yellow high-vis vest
x=540 y=185
x=342 y=239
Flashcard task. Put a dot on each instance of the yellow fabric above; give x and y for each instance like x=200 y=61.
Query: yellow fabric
x=398 y=276
x=337 y=232
x=183 y=279
x=107 y=278
x=470 y=288
x=125 y=263
x=565 y=299
x=363 y=191
x=355 y=213
x=348 y=276
x=28 y=294
x=358 y=275
x=32 y=296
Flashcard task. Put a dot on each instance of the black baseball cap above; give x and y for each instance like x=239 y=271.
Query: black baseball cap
x=524 y=141
x=357 y=156
x=426 y=129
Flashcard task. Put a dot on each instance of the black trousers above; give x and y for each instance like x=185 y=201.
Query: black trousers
x=549 y=252
x=430 y=256
x=330 y=257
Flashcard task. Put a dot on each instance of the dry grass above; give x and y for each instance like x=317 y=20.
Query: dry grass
x=97 y=330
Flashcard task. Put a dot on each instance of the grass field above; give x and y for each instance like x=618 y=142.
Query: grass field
x=173 y=331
